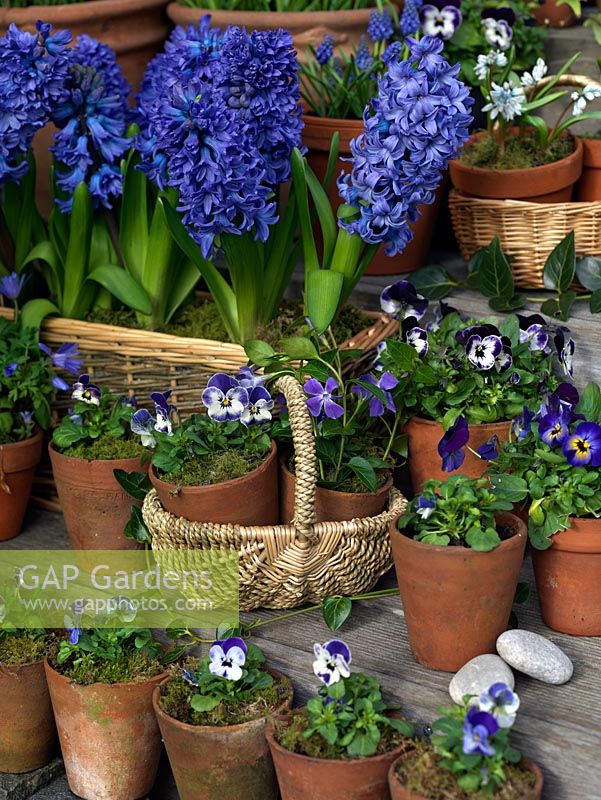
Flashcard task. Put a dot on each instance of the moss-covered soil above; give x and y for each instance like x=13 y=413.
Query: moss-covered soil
x=106 y=448
x=135 y=667
x=19 y=648
x=521 y=152
x=213 y=468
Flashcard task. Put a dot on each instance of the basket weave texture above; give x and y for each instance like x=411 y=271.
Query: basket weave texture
x=528 y=232
x=285 y=566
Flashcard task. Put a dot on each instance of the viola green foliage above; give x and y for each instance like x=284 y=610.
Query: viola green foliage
x=277 y=5
x=459 y=511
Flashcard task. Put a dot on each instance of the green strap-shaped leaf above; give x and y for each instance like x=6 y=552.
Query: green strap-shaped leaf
x=325 y=215
x=302 y=199
x=332 y=161
x=324 y=287
x=122 y=286
x=157 y=273
x=184 y=281
x=54 y=273
x=133 y=227
x=34 y=312
x=78 y=253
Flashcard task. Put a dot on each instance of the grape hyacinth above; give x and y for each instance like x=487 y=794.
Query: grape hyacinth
x=410 y=21
x=325 y=50
x=380 y=27
x=417 y=123
x=363 y=57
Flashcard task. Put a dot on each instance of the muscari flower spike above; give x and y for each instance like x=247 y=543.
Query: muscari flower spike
x=441 y=18
x=363 y=57
x=401 y=300
x=501 y=702
x=325 y=51
x=227 y=657
x=332 y=661
x=224 y=398
x=410 y=21
x=380 y=27
x=583 y=447
x=86 y=392
x=450 y=447
x=322 y=398
x=478 y=727
x=497 y=24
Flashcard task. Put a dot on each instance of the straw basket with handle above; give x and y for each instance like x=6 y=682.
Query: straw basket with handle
x=287 y=565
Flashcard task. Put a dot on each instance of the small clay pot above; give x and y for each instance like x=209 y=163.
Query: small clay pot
x=303 y=778
x=400 y=792
x=457 y=601
x=568 y=579
x=208 y=762
x=317 y=136
x=95 y=507
x=549 y=183
x=424 y=462
x=17 y=468
x=109 y=736
x=549 y=14
x=331 y=505
x=28 y=733
x=249 y=500
x=588 y=188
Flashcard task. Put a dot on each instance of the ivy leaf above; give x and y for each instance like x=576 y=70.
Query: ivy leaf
x=588 y=272
x=433 y=282
x=336 y=610
x=559 y=307
x=490 y=271
x=507 y=303
x=560 y=267
x=595 y=302
x=136 y=484
x=364 y=471
x=136 y=528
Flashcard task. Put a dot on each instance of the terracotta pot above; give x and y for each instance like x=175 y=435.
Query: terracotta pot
x=330 y=505
x=548 y=13
x=551 y=183
x=209 y=762
x=95 y=507
x=588 y=188
x=17 y=467
x=303 y=778
x=425 y=463
x=568 y=579
x=400 y=792
x=249 y=500
x=109 y=736
x=28 y=741
x=457 y=601
x=317 y=135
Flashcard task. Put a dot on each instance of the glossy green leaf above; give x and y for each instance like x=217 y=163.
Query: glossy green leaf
x=259 y=352
x=136 y=527
x=78 y=253
x=122 y=286
x=302 y=200
x=135 y=484
x=491 y=272
x=336 y=611
x=588 y=272
x=433 y=282
x=299 y=347
x=133 y=226
x=34 y=312
x=325 y=215
x=595 y=302
x=185 y=281
x=322 y=297
x=590 y=403
x=364 y=471
x=560 y=266
x=46 y=253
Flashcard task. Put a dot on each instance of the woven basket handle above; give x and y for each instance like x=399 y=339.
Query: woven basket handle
x=577 y=81
x=305 y=456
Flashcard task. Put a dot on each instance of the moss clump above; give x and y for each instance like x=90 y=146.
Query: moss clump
x=421 y=773
x=133 y=667
x=106 y=448
x=213 y=468
x=18 y=648
x=176 y=696
x=521 y=152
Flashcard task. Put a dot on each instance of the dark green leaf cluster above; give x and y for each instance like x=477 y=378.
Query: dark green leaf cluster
x=100 y=645
x=88 y=422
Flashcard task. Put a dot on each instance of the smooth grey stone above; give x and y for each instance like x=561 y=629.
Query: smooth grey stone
x=534 y=655
x=478 y=675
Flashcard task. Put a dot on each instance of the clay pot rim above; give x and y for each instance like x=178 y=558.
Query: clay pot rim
x=125 y=684
x=454 y=551
x=233 y=482
x=502 y=423
x=186 y=726
x=273 y=743
x=74 y=459
x=330 y=122
x=78 y=12
x=385 y=489
x=591 y=152
x=20 y=666
x=582 y=540
x=272 y=18
x=24 y=442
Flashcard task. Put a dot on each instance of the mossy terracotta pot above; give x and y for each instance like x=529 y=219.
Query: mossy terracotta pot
x=210 y=762
x=27 y=733
x=95 y=507
x=317 y=136
x=568 y=579
x=457 y=601
x=549 y=183
x=588 y=188
x=17 y=468
x=109 y=736
x=423 y=436
x=551 y=15
x=331 y=505
x=400 y=792
x=249 y=500
x=304 y=778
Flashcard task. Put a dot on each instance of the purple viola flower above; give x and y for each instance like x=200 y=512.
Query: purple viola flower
x=190 y=677
x=224 y=398
x=417 y=337
x=259 y=407
x=564 y=344
x=386 y=382
x=60 y=384
x=483 y=352
x=163 y=411
x=322 y=399
x=424 y=507
x=450 y=447
x=380 y=27
x=489 y=451
x=483 y=330
x=27 y=417
x=11 y=369
x=478 y=727
x=401 y=300
x=562 y=401
x=11 y=285
x=143 y=424
x=441 y=18
x=441 y=311
x=332 y=661
x=248 y=378
x=497 y=24
x=501 y=702
x=583 y=447
x=74 y=634
x=325 y=50
x=553 y=428
x=521 y=425
x=86 y=392
x=227 y=657
x=533 y=329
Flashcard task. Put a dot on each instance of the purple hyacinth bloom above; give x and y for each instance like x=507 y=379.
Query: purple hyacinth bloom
x=441 y=18
x=386 y=382
x=583 y=447
x=489 y=451
x=424 y=507
x=227 y=658
x=10 y=369
x=564 y=344
x=417 y=337
x=12 y=285
x=259 y=407
x=553 y=428
x=401 y=300
x=224 y=398
x=325 y=51
x=380 y=27
x=450 y=447
x=521 y=425
x=478 y=727
x=534 y=330
x=322 y=399
x=332 y=661
x=497 y=24
x=483 y=352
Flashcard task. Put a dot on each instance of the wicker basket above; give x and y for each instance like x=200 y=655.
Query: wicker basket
x=285 y=566
x=528 y=232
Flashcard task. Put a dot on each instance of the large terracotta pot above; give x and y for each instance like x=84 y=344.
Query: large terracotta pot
x=304 y=778
x=209 y=762
x=249 y=500
x=568 y=579
x=17 y=467
x=549 y=14
x=400 y=792
x=423 y=436
x=588 y=188
x=330 y=505
x=550 y=183
x=457 y=601
x=109 y=736
x=317 y=135
x=95 y=507
x=27 y=733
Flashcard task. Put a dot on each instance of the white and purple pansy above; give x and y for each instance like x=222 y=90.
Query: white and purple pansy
x=142 y=423
x=248 y=378
x=27 y=417
x=332 y=661
x=417 y=337
x=227 y=657
x=86 y=392
x=259 y=407
x=440 y=18
x=424 y=507
x=224 y=398
x=190 y=677
x=382 y=400
x=441 y=311
x=478 y=727
x=498 y=26
x=483 y=351
x=163 y=410
x=564 y=344
x=322 y=398
x=534 y=330
x=501 y=702
x=401 y=300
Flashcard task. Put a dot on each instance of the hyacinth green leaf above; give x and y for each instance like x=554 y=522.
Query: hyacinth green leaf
x=325 y=215
x=323 y=296
x=76 y=295
x=122 y=286
x=34 y=312
x=299 y=177
x=133 y=227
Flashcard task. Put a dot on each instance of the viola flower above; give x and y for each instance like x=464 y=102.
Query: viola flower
x=441 y=311
x=583 y=447
x=401 y=300
x=553 y=428
x=564 y=344
x=332 y=661
x=478 y=726
x=562 y=401
x=11 y=285
x=501 y=702
x=248 y=378
x=521 y=425
x=489 y=451
x=11 y=369
x=380 y=27
x=385 y=383
x=533 y=329
x=507 y=101
x=483 y=352
x=74 y=634
x=539 y=70
x=259 y=407
x=189 y=677
x=224 y=398
x=86 y=392
x=484 y=63
x=322 y=398
x=497 y=24
x=450 y=447
x=27 y=417
x=143 y=423
x=163 y=410
x=505 y=359
x=417 y=337
x=424 y=507
x=325 y=51
x=441 y=18
x=227 y=658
